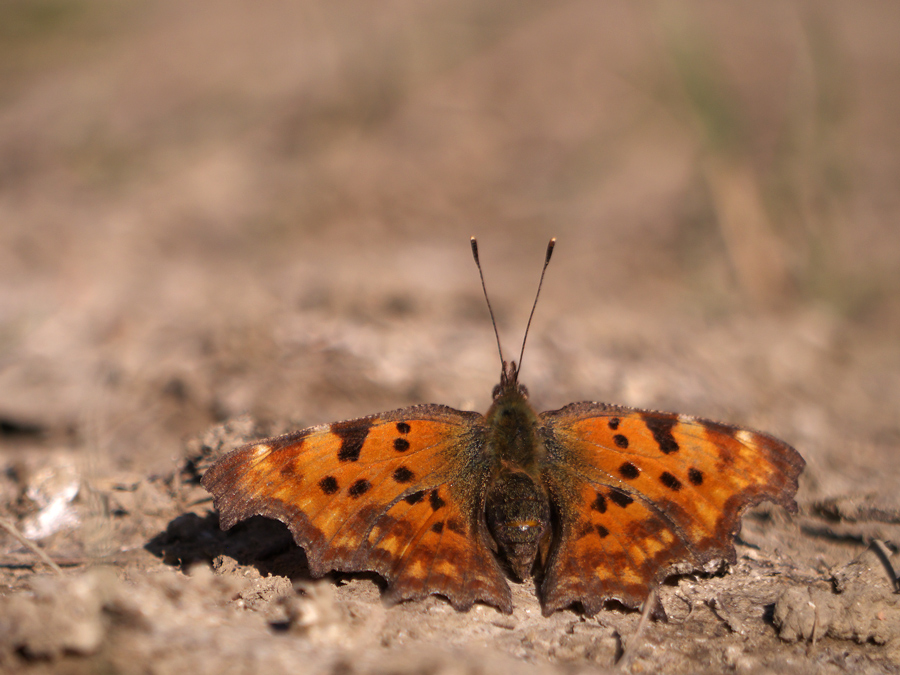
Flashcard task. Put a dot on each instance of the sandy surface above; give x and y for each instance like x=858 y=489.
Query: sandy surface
x=220 y=221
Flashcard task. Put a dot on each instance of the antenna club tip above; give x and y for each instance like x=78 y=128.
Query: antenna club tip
x=550 y=247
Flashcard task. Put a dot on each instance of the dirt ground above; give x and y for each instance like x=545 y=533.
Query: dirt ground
x=222 y=220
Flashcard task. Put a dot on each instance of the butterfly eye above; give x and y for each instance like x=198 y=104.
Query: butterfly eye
x=523 y=391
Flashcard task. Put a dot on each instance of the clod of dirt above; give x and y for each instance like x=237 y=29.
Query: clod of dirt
x=61 y=616
x=257 y=592
x=861 y=606
x=312 y=613
x=95 y=614
x=305 y=609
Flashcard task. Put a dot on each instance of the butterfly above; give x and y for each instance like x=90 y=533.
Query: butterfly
x=599 y=502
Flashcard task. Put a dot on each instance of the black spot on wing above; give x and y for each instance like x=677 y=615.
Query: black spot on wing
x=352 y=434
x=695 y=476
x=438 y=527
x=415 y=497
x=620 y=441
x=403 y=428
x=613 y=423
x=619 y=498
x=670 y=481
x=661 y=428
x=328 y=485
x=602 y=531
x=629 y=471
x=403 y=475
x=359 y=488
x=401 y=444
x=436 y=501
x=599 y=504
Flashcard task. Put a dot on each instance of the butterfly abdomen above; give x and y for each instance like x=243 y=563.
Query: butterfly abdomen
x=518 y=517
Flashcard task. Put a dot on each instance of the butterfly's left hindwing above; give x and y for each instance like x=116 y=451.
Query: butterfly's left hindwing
x=642 y=494
x=398 y=494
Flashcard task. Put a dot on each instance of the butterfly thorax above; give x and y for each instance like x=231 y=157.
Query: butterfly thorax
x=517 y=509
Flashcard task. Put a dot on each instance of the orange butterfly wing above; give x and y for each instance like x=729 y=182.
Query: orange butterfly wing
x=641 y=495
x=400 y=494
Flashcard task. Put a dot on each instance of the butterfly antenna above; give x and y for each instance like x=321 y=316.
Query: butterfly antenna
x=536 y=296
x=487 y=299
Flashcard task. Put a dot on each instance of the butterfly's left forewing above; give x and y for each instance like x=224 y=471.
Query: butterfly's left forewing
x=641 y=494
x=395 y=493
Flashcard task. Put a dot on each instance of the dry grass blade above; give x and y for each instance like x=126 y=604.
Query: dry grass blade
x=9 y=527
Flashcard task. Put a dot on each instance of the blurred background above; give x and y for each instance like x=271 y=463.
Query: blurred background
x=215 y=208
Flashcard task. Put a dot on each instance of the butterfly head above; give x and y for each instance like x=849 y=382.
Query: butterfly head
x=509 y=387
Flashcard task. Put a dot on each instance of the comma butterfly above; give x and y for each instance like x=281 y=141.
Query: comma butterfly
x=602 y=502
